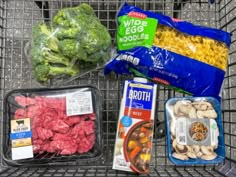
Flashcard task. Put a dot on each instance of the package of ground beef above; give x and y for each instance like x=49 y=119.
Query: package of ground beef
x=52 y=125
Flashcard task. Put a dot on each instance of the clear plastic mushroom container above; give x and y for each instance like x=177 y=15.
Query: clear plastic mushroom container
x=194 y=131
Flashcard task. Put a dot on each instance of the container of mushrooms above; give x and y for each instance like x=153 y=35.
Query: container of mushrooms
x=194 y=131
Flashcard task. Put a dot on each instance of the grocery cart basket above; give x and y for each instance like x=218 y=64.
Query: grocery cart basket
x=16 y=20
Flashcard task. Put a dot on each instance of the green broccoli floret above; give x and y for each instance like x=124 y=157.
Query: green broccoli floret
x=90 y=37
x=42 y=36
x=68 y=33
x=72 y=49
x=45 y=72
x=96 y=39
x=69 y=17
x=84 y=8
x=44 y=55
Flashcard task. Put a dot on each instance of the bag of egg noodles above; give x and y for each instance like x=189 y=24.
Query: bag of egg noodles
x=170 y=51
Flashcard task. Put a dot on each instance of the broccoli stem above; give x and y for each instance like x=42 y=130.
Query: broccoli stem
x=53 y=45
x=56 y=59
x=54 y=71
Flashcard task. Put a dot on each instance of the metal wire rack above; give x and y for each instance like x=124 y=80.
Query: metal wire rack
x=16 y=20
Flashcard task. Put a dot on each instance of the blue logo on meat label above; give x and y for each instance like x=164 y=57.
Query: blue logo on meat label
x=126 y=121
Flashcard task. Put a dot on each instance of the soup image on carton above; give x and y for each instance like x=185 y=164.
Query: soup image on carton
x=134 y=135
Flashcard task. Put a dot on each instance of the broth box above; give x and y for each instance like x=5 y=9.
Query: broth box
x=135 y=126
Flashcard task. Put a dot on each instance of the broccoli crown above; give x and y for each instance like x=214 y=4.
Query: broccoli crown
x=84 y=27
x=89 y=35
x=77 y=38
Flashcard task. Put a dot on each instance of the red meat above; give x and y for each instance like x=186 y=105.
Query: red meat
x=60 y=126
x=91 y=138
x=32 y=111
x=57 y=145
x=25 y=101
x=45 y=146
x=86 y=144
x=20 y=113
x=72 y=120
x=63 y=137
x=37 y=121
x=69 y=148
x=35 y=135
x=88 y=126
x=78 y=132
x=53 y=131
x=55 y=103
x=37 y=145
x=43 y=133
x=92 y=116
x=36 y=148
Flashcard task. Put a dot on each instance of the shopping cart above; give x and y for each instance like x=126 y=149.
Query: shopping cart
x=16 y=20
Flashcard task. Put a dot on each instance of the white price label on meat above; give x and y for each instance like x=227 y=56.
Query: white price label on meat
x=79 y=103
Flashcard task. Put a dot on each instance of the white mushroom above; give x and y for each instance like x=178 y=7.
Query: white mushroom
x=200 y=114
x=176 y=108
x=181 y=108
x=179 y=148
x=209 y=157
x=174 y=143
x=201 y=105
x=211 y=114
x=207 y=150
x=191 y=155
x=180 y=156
x=196 y=148
x=192 y=113
x=199 y=154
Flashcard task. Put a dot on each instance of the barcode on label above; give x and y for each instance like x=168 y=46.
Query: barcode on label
x=182 y=139
x=86 y=108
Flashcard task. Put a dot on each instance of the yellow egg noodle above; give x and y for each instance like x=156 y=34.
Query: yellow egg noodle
x=199 y=48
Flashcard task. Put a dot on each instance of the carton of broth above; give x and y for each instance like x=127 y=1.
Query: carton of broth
x=135 y=126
